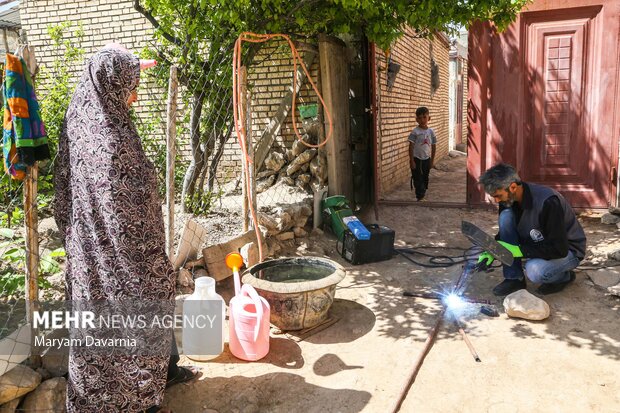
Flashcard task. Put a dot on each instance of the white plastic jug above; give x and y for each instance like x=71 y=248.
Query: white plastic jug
x=203 y=321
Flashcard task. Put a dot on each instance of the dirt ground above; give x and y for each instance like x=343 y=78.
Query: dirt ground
x=446 y=183
x=567 y=363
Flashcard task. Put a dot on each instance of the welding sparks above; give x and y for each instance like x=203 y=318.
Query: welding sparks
x=453 y=301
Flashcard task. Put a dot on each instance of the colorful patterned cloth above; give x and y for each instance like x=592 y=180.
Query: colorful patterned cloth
x=23 y=139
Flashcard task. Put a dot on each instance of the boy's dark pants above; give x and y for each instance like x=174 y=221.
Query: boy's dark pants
x=420 y=176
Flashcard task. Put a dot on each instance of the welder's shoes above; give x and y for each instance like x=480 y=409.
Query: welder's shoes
x=509 y=286
x=551 y=288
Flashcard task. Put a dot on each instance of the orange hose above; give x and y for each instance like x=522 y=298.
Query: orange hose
x=238 y=114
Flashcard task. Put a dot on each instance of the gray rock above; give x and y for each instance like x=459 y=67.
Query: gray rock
x=275 y=161
x=286 y=236
x=289 y=155
x=316 y=232
x=305 y=178
x=318 y=167
x=184 y=277
x=265 y=174
x=614 y=210
x=265 y=184
x=10 y=407
x=610 y=219
x=298 y=147
x=454 y=154
x=615 y=290
x=287 y=180
x=49 y=396
x=614 y=255
x=55 y=361
x=299 y=232
x=522 y=304
x=604 y=277
x=249 y=252
x=17 y=382
x=301 y=160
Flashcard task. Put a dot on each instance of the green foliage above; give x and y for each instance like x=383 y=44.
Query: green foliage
x=152 y=134
x=381 y=21
x=56 y=86
x=201 y=203
x=56 y=80
x=13 y=264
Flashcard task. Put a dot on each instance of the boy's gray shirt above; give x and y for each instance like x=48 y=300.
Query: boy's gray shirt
x=422 y=140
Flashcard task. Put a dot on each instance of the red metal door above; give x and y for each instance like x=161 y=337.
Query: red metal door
x=559 y=148
x=544 y=95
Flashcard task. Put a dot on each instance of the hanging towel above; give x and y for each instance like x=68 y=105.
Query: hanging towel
x=23 y=139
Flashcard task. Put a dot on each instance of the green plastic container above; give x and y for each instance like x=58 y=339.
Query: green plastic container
x=334 y=209
x=308 y=111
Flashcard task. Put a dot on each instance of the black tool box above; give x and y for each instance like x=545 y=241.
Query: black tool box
x=379 y=247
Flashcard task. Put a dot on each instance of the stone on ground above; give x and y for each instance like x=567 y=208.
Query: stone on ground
x=48 y=397
x=17 y=382
x=522 y=304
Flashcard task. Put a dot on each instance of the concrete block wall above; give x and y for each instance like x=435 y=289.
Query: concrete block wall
x=397 y=106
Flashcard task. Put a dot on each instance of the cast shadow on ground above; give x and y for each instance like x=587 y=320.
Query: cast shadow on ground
x=580 y=304
x=283 y=353
x=329 y=364
x=273 y=392
x=354 y=321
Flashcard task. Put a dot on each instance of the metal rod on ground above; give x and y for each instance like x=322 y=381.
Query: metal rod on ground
x=472 y=350
x=428 y=344
x=436 y=296
x=243 y=90
x=171 y=136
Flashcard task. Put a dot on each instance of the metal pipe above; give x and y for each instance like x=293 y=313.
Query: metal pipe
x=374 y=112
x=428 y=344
x=472 y=350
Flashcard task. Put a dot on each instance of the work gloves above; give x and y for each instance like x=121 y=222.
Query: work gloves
x=514 y=249
x=484 y=261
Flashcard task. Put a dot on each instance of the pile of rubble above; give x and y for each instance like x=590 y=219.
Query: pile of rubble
x=300 y=166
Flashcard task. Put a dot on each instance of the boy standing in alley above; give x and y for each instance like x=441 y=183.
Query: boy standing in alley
x=422 y=144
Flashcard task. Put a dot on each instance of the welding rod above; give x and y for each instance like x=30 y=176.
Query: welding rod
x=428 y=344
x=472 y=350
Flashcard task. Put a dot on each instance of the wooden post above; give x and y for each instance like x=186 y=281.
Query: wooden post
x=171 y=136
x=335 y=90
x=243 y=101
x=32 y=250
x=31 y=223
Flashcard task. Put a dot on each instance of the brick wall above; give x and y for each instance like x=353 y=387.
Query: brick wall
x=103 y=21
x=269 y=79
x=397 y=106
x=465 y=102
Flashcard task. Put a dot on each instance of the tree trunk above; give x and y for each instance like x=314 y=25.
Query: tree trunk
x=193 y=171
x=207 y=151
x=223 y=138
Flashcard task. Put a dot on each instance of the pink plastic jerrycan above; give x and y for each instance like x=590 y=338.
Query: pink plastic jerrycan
x=248 y=318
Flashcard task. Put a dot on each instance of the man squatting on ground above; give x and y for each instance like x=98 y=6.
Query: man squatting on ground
x=535 y=223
